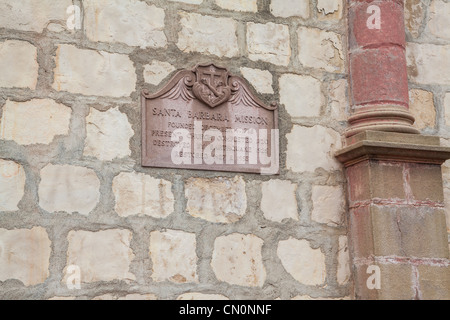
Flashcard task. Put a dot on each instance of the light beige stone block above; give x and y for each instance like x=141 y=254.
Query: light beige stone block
x=421 y=106
x=157 y=71
x=290 y=8
x=279 y=201
x=91 y=72
x=32 y=15
x=321 y=49
x=328 y=205
x=208 y=35
x=238 y=5
x=189 y=1
x=337 y=99
x=428 y=63
x=237 y=259
x=69 y=189
x=261 y=80
x=447 y=108
x=439 y=13
x=12 y=185
x=269 y=42
x=173 y=255
x=220 y=200
x=18 y=62
x=25 y=255
x=37 y=121
x=303 y=263
x=140 y=194
x=329 y=9
x=131 y=22
x=108 y=134
x=301 y=95
x=101 y=256
x=312 y=148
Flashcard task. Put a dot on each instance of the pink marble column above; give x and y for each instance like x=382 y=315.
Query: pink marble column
x=378 y=74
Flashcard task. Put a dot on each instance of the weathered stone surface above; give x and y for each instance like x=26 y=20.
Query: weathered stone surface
x=68 y=188
x=140 y=194
x=12 y=184
x=189 y=1
x=276 y=192
x=238 y=5
x=261 y=80
x=301 y=95
x=101 y=256
x=18 y=62
x=312 y=148
x=321 y=49
x=343 y=272
x=25 y=255
x=157 y=71
x=330 y=9
x=439 y=12
x=428 y=63
x=434 y=282
x=421 y=106
x=289 y=8
x=108 y=134
x=132 y=22
x=31 y=15
x=328 y=205
x=337 y=99
x=35 y=121
x=447 y=109
x=208 y=35
x=269 y=42
x=304 y=264
x=220 y=200
x=414 y=16
x=132 y=296
x=173 y=256
x=91 y=72
x=201 y=296
x=237 y=259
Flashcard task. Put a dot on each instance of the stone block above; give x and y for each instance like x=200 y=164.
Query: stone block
x=421 y=106
x=237 y=260
x=18 y=62
x=303 y=263
x=101 y=256
x=269 y=43
x=37 y=121
x=290 y=8
x=321 y=49
x=238 y=5
x=173 y=255
x=219 y=200
x=25 y=255
x=301 y=95
x=328 y=205
x=93 y=73
x=69 y=189
x=275 y=192
x=434 y=282
x=140 y=194
x=261 y=80
x=12 y=185
x=428 y=63
x=157 y=71
x=208 y=35
x=131 y=22
x=108 y=134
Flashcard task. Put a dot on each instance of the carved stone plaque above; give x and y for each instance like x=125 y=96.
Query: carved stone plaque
x=207 y=119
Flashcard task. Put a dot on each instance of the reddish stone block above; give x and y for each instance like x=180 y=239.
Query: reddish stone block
x=379 y=76
x=363 y=25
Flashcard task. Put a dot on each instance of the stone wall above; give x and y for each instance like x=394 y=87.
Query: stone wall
x=74 y=198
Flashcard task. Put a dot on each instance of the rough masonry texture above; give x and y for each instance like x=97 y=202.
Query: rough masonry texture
x=73 y=193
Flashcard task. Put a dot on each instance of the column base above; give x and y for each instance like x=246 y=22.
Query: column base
x=396 y=219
